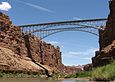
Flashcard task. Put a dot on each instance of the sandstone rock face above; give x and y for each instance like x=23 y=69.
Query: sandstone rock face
x=11 y=36
x=106 y=40
x=88 y=67
x=44 y=53
x=31 y=47
x=11 y=61
x=72 y=69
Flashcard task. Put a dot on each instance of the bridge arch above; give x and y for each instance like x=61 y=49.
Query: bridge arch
x=50 y=32
x=46 y=29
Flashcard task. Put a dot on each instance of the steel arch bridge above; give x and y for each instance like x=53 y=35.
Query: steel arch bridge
x=44 y=30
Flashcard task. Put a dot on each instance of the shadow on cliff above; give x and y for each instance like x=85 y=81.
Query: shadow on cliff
x=27 y=45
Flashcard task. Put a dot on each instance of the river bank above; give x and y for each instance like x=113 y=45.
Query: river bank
x=103 y=73
x=39 y=80
x=35 y=76
x=12 y=75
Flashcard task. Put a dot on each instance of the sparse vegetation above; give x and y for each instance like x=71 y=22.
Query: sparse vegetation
x=15 y=74
x=79 y=75
x=105 y=72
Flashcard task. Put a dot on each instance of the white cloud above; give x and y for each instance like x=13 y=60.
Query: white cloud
x=5 y=6
x=78 y=57
x=86 y=58
x=87 y=52
x=37 y=7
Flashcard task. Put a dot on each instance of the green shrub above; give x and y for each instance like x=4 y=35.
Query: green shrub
x=80 y=74
x=1 y=75
x=104 y=73
x=84 y=74
x=70 y=76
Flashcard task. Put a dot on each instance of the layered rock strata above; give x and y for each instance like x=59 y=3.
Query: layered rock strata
x=106 y=40
x=29 y=47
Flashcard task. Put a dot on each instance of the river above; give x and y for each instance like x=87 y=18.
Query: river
x=37 y=80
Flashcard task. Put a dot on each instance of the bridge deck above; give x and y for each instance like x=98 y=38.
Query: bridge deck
x=73 y=21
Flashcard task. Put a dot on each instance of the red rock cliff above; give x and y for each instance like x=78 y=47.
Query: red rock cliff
x=106 y=40
x=26 y=47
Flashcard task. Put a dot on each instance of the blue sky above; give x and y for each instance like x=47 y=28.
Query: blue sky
x=77 y=47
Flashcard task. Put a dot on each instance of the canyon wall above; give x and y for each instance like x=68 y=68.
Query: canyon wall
x=29 y=47
x=106 y=40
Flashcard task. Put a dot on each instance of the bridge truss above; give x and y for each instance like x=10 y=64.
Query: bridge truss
x=46 y=29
